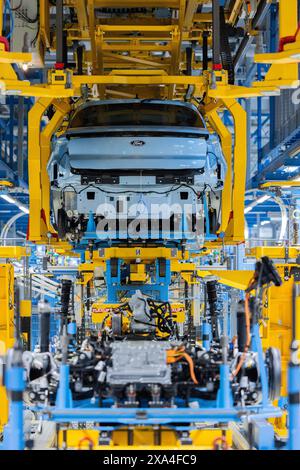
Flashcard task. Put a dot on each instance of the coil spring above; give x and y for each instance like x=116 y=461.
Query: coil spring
x=65 y=296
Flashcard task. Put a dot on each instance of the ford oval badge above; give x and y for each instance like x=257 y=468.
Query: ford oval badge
x=138 y=143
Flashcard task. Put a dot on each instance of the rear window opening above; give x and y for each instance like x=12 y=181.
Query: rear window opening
x=136 y=114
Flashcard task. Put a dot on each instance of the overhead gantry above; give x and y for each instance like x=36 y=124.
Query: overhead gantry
x=122 y=62
x=146 y=56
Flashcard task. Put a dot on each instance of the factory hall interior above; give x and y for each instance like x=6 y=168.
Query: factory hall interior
x=149 y=226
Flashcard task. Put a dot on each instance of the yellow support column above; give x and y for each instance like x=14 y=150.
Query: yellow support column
x=297 y=311
x=236 y=227
x=288 y=23
x=45 y=22
x=277 y=327
x=61 y=109
x=37 y=226
x=226 y=141
x=285 y=74
x=1 y=17
x=6 y=327
x=288 y=17
x=39 y=148
x=6 y=307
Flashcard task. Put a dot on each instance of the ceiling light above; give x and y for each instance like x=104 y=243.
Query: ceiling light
x=13 y=92
x=263 y=199
x=290 y=169
x=295 y=152
x=270 y=93
x=11 y=200
x=255 y=203
x=8 y=199
x=24 y=209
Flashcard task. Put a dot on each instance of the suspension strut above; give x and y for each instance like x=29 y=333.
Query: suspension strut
x=211 y=289
x=66 y=287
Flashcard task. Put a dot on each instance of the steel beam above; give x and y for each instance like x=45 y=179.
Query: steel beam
x=60 y=32
x=216 y=34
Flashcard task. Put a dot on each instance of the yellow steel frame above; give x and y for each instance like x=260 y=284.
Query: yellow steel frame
x=143 y=437
x=38 y=155
x=108 y=39
x=276 y=331
x=235 y=279
x=278 y=75
x=6 y=304
x=280 y=184
x=9 y=84
x=14 y=252
x=44 y=36
x=226 y=141
x=235 y=11
x=6 y=326
x=1 y=16
x=274 y=252
x=139 y=73
x=232 y=224
x=237 y=223
x=142 y=253
x=7 y=311
x=39 y=152
x=145 y=255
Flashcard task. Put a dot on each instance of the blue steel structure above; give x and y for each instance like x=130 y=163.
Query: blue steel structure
x=294 y=398
x=153 y=416
x=14 y=150
x=222 y=410
x=13 y=162
x=15 y=385
x=275 y=162
x=158 y=289
x=64 y=395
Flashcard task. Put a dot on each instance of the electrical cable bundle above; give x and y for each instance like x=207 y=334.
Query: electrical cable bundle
x=212 y=298
x=158 y=310
x=22 y=15
x=163 y=312
x=19 y=13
